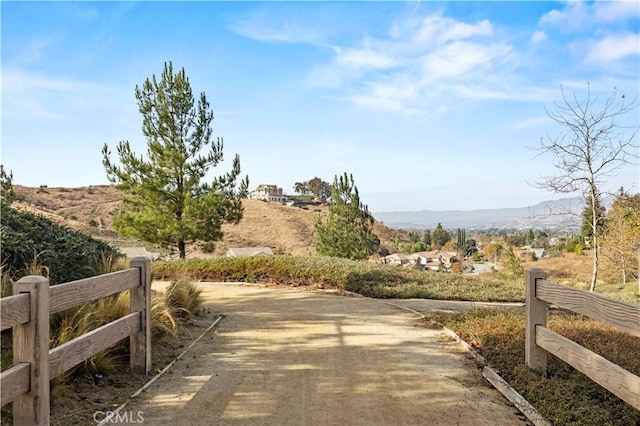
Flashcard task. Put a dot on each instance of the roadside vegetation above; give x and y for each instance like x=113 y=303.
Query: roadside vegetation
x=565 y=396
x=384 y=281
x=33 y=245
x=368 y=279
x=29 y=240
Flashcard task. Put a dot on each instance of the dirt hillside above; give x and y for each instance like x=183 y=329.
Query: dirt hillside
x=90 y=209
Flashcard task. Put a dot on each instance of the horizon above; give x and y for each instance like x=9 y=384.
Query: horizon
x=425 y=103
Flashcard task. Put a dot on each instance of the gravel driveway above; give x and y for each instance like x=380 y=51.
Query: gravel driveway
x=296 y=357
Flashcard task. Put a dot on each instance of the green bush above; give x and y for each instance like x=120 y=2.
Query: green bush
x=69 y=255
x=576 y=245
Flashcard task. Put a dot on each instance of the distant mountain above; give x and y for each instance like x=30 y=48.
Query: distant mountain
x=553 y=214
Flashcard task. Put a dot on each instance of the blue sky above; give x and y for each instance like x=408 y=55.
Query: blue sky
x=430 y=105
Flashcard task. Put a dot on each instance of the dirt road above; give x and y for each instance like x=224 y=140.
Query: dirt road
x=293 y=357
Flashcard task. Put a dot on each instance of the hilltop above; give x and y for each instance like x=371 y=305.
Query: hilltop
x=90 y=209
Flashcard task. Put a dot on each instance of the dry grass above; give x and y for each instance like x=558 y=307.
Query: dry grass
x=567 y=269
x=287 y=230
x=183 y=297
x=6 y=283
x=86 y=209
x=565 y=396
x=575 y=271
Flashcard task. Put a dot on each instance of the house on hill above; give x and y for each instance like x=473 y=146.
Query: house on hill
x=268 y=192
x=435 y=260
x=249 y=251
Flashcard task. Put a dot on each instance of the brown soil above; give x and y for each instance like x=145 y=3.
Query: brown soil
x=292 y=357
x=287 y=230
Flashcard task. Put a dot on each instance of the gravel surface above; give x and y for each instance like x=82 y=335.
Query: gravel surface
x=296 y=357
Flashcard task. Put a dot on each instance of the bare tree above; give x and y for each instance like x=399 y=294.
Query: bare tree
x=593 y=146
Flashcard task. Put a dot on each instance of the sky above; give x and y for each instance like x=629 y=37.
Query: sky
x=429 y=105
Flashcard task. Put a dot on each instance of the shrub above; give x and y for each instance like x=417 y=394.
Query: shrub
x=80 y=320
x=69 y=255
x=208 y=247
x=576 y=245
x=164 y=320
x=183 y=297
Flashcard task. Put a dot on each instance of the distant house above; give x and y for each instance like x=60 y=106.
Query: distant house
x=435 y=260
x=249 y=251
x=397 y=259
x=267 y=193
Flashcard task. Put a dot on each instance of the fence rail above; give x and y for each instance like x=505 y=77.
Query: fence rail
x=540 y=341
x=26 y=383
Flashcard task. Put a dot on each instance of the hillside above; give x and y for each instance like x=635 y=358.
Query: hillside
x=287 y=230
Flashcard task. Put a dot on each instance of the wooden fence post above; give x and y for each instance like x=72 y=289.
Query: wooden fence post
x=536 y=315
x=140 y=298
x=31 y=344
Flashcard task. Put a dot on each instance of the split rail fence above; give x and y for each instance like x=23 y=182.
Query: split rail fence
x=28 y=311
x=540 y=341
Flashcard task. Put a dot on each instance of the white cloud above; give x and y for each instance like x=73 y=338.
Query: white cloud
x=574 y=15
x=436 y=29
x=289 y=32
x=611 y=11
x=18 y=81
x=578 y=14
x=33 y=51
x=538 y=37
x=415 y=64
x=38 y=96
x=396 y=95
x=362 y=58
x=462 y=59
x=283 y=27
x=614 y=47
x=535 y=122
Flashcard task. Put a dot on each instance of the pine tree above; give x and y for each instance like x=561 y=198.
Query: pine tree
x=427 y=238
x=461 y=242
x=348 y=231
x=165 y=200
x=588 y=221
x=439 y=237
x=7 y=194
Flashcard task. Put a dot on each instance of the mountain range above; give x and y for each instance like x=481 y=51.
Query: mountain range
x=563 y=213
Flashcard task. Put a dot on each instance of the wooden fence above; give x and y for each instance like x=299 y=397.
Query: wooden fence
x=26 y=383
x=541 y=341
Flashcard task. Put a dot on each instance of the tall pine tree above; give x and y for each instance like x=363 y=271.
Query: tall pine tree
x=165 y=199
x=589 y=222
x=348 y=231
